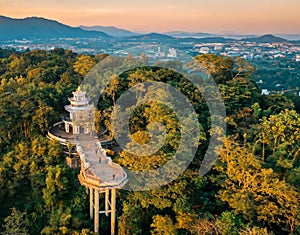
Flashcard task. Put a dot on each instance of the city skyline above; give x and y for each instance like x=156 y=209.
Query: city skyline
x=216 y=16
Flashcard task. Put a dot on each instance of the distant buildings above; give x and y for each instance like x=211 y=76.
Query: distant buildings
x=265 y=92
x=160 y=53
x=204 y=50
x=172 y=53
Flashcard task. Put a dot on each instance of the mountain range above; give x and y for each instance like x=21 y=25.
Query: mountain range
x=34 y=28
x=110 y=30
x=41 y=28
x=268 y=38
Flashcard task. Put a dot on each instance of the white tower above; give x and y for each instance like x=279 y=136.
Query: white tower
x=82 y=114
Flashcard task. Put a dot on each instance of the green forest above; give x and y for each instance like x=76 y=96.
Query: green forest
x=253 y=189
x=277 y=75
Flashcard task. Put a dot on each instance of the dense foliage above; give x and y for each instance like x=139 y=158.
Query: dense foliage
x=253 y=188
x=277 y=74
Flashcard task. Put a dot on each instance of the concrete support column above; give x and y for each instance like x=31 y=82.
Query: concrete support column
x=113 y=211
x=106 y=201
x=76 y=130
x=91 y=203
x=96 y=210
x=93 y=128
x=86 y=129
x=67 y=127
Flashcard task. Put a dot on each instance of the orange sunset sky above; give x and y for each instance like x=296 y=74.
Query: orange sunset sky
x=214 y=16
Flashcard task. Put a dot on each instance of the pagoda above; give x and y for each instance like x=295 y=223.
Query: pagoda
x=82 y=114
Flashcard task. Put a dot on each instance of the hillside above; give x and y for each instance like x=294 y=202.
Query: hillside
x=253 y=187
x=207 y=40
x=182 y=34
x=268 y=38
x=41 y=28
x=110 y=30
x=151 y=37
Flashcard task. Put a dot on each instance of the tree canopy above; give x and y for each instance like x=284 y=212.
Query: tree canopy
x=252 y=189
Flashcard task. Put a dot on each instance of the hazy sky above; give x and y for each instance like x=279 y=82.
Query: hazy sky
x=238 y=16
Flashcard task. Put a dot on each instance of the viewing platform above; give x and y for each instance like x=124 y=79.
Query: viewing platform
x=97 y=170
x=58 y=133
x=99 y=174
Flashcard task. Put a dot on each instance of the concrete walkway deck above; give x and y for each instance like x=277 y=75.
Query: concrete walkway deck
x=97 y=169
x=100 y=166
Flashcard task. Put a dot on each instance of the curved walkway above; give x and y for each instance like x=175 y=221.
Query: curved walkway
x=97 y=168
